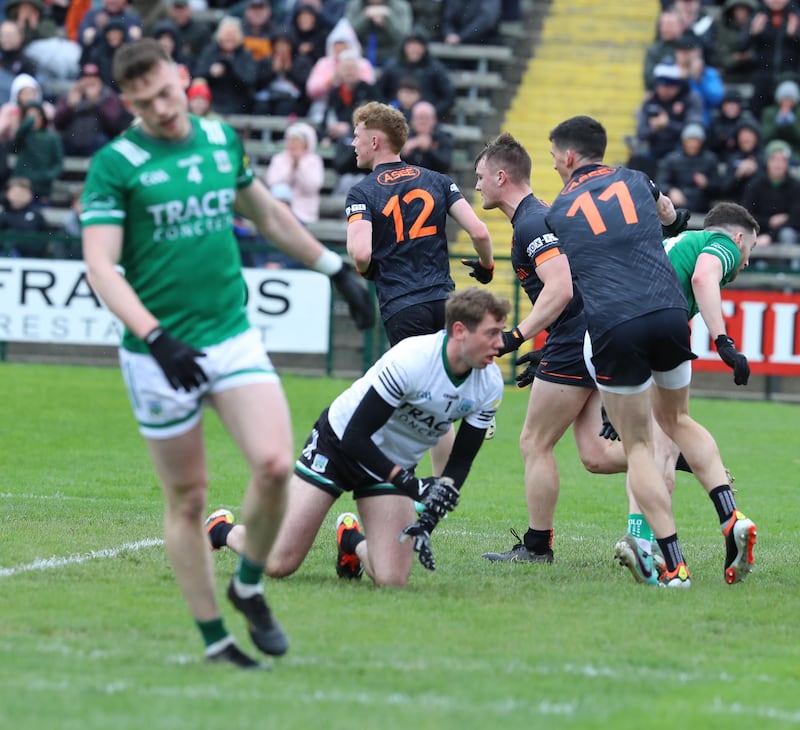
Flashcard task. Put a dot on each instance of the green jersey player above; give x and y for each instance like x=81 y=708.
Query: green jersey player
x=159 y=200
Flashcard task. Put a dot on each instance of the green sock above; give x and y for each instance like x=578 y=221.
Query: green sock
x=638 y=527
x=248 y=572
x=212 y=631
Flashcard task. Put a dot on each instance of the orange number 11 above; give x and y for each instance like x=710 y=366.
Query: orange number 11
x=586 y=205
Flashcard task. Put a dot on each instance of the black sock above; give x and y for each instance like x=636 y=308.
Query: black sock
x=724 y=502
x=671 y=551
x=682 y=465
x=350 y=540
x=538 y=541
x=219 y=534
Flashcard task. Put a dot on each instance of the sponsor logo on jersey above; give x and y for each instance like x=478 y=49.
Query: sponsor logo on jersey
x=153 y=177
x=424 y=395
x=194 y=216
x=355 y=208
x=466 y=406
x=398 y=175
x=539 y=242
x=223 y=161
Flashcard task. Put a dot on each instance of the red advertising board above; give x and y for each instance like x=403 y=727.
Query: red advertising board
x=765 y=327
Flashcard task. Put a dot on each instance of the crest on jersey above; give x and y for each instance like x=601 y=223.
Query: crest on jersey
x=223 y=161
x=398 y=175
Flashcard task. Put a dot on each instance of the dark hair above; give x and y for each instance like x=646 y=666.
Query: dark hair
x=469 y=306
x=730 y=215
x=584 y=135
x=506 y=153
x=136 y=59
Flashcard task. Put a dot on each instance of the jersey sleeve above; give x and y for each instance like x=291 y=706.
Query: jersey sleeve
x=725 y=250
x=356 y=205
x=395 y=379
x=485 y=411
x=104 y=193
x=453 y=192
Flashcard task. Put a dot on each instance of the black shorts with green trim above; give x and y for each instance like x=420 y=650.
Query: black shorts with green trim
x=324 y=465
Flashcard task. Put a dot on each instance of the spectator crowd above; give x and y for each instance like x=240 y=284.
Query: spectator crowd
x=315 y=60
x=720 y=118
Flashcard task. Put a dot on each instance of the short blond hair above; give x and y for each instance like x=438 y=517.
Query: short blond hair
x=386 y=119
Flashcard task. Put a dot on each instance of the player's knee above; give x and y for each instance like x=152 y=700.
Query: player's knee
x=274 y=469
x=281 y=566
x=390 y=579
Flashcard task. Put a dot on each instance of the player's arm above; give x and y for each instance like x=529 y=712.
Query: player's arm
x=673 y=220
x=359 y=244
x=468 y=441
x=476 y=229
x=102 y=248
x=276 y=222
x=706 y=279
x=556 y=276
x=369 y=416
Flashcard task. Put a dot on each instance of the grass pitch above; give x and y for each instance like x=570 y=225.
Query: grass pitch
x=94 y=634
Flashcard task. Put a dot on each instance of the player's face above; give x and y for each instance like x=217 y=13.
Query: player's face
x=364 y=146
x=479 y=347
x=159 y=100
x=487 y=184
x=561 y=162
x=746 y=244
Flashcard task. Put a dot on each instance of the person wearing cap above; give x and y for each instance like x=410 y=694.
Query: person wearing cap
x=782 y=119
x=701 y=77
x=773 y=197
x=89 y=114
x=24 y=88
x=193 y=34
x=689 y=176
x=380 y=25
x=666 y=110
x=199 y=96
x=734 y=62
x=415 y=59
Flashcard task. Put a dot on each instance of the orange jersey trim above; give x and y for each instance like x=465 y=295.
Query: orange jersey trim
x=546 y=256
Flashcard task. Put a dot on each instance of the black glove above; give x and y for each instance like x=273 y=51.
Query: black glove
x=607 y=431
x=407 y=483
x=420 y=533
x=681 y=223
x=512 y=341
x=733 y=359
x=347 y=283
x=479 y=271
x=532 y=360
x=439 y=495
x=176 y=359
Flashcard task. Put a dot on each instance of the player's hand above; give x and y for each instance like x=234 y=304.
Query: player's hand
x=681 y=223
x=177 y=359
x=347 y=283
x=420 y=533
x=512 y=341
x=607 y=431
x=479 y=271
x=532 y=360
x=439 y=495
x=733 y=359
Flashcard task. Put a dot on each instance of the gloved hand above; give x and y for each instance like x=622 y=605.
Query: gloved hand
x=607 y=431
x=681 y=223
x=479 y=271
x=176 y=359
x=407 y=483
x=512 y=341
x=420 y=533
x=733 y=359
x=532 y=360
x=439 y=495
x=348 y=284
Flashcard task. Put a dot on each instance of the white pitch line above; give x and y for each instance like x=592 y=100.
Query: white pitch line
x=57 y=562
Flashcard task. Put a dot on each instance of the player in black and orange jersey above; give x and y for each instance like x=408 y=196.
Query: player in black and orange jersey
x=563 y=392
x=396 y=219
x=636 y=314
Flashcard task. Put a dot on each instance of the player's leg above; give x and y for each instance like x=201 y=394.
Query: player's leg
x=250 y=412
x=599 y=455
x=386 y=560
x=551 y=409
x=671 y=408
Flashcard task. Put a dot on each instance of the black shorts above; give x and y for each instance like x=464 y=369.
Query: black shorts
x=323 y=464
x=563 y=363
x=418 y=319
x=628 y=354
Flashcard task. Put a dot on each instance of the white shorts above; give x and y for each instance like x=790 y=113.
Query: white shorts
x=163 y=412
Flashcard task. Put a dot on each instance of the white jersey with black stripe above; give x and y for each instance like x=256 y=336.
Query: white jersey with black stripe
x=414 y=378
